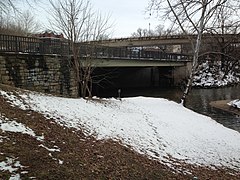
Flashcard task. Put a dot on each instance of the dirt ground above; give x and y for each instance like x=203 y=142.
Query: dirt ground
x=80 y=156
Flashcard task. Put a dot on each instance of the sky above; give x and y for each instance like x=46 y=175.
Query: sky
x=126 y=15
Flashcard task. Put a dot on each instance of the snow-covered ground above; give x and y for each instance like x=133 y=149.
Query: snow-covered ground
x=157 y=127
x=212 y=76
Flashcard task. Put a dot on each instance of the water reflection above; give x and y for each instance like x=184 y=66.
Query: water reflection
x=198 y=100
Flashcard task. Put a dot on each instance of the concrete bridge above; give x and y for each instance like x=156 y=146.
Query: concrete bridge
x=166 y=40
x=101 y=56
x=43 y=64
x=117 y=62
x=123 y=48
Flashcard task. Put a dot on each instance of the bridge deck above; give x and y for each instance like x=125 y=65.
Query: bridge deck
x=57 y=46
x=117 y=62
x=165 y=40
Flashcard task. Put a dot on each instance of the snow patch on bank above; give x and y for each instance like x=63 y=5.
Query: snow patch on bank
x=11 y=165
x=7 y=125
x=235 y=103
x=55 y=149
x=153 y=126
x=212 y=76
x=13 y=98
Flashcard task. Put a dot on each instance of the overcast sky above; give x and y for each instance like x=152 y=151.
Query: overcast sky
x=126 y=15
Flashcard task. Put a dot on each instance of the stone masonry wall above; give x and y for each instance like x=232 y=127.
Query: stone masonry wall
x=48 y=74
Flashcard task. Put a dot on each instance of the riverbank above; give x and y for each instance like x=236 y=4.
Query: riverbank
x=223 y=105
x=210 y=75
x=69 y=137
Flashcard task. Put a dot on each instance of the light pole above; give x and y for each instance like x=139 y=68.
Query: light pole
x=149 y=30
x=149 y=25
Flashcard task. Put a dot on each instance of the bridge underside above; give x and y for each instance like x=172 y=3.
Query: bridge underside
x=133 y=63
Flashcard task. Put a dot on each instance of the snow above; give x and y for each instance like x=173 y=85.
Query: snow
x=208 y=75
x=12 y=166
x=235 y=103
x=7 y=165
x=15 y=177
x=162 y=129
x=55 y=149
x=7 y=125
x=13 y=126
x=60 y=162
x=12 y=98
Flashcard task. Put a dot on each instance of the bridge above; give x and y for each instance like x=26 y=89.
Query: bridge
x=166 y=40
x=43 y=64
x=102 y=56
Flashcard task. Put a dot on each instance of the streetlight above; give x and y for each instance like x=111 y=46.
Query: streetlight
x=149 y=29
x=149 y=24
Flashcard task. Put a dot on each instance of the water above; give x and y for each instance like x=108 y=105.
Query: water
x=198 y=100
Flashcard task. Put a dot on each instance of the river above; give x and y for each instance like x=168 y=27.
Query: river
x=198 y=100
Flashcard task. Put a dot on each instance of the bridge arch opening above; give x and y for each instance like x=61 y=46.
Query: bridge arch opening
x=107 y=81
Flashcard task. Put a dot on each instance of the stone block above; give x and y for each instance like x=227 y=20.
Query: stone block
x=5 y=78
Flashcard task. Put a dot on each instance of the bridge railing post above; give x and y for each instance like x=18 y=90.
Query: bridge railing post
x=16 y=44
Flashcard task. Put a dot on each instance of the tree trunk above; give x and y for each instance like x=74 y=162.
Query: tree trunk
x=195 y=55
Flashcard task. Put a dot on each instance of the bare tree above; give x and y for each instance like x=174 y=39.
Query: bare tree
x=79 y=23
x=12 y=21
x=224 y=49
x=18 y=23
x=26 y=20
x=8 y=25
x=8 y=5
x=192 y=17
x=140 y=33
x=159 y=30
x=5 y=5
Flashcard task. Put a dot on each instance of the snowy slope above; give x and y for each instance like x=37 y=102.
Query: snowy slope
x=153 y=126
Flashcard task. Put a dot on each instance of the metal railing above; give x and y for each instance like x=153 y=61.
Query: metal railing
x=131 y=53
x=35 y=45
